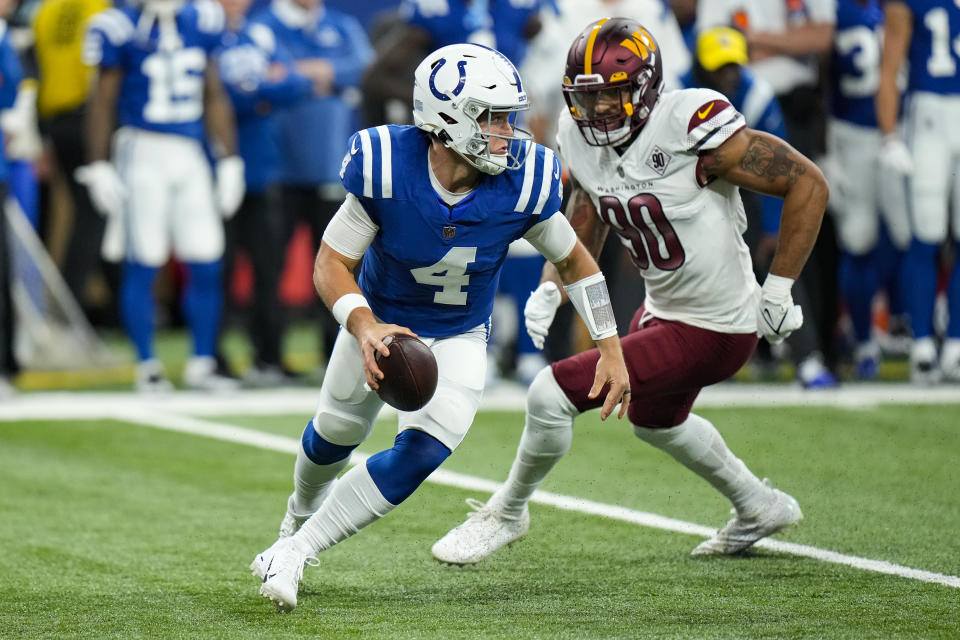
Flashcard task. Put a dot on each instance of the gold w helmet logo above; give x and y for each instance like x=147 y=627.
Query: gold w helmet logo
x=640 y=43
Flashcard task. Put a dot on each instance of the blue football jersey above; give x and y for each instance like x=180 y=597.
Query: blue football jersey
x=934 y=53
x=433 y=267
x=162 y=85
x=856 y=61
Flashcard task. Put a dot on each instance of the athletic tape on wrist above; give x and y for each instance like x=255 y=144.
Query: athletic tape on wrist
x=345 y=305
x=592 y=301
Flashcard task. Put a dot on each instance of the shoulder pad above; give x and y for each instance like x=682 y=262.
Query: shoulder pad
x=115 y=25
x=367 y=168
x=541 y=188
x=708 y=117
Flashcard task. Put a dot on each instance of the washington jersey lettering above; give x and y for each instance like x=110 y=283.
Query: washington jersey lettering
x=163 y=73
x=856 y=61
x=682 y=231
x=934 y=52
x=434 y=267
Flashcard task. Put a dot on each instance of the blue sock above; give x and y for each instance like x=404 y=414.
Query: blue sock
x=136 y=306
x=889 y=262
x=858 y=283
x=202 y=305
x=920 y=275
x=397 y=472
x=953 y=296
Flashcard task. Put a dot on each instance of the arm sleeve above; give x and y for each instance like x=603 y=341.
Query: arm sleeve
x=351 y=230
x=554 y=238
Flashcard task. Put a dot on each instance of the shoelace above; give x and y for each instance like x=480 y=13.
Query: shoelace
x=479 y=510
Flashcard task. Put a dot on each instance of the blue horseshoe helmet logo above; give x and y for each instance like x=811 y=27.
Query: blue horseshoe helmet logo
x=461 y=67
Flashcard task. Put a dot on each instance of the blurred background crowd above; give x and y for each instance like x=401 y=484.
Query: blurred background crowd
x=301 y=75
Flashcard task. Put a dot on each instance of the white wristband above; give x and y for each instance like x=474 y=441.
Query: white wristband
x=592 y=301
x=345 y=305
x=777 y=288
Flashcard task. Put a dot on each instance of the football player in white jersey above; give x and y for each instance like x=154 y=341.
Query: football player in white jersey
x=662 y=169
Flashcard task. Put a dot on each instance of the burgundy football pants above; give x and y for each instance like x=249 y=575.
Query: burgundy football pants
x=668 y=362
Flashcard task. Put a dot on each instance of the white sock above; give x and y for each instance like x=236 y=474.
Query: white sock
x=697 y=445
x=312 y=482
x=547 y=434
x=353 y=503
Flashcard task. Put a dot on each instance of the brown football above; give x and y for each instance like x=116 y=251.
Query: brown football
x=409 y=373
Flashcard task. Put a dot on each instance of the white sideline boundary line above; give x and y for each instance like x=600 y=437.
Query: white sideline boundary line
x=72 y=405
x=242 y=435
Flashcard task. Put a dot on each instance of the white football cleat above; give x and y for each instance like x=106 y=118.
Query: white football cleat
x=150 y=377
x=924 y=367
x=290 y=524
x=201 y=374
x=950 y=360
x=484 y=532
x=780 y=512
x=281 y=579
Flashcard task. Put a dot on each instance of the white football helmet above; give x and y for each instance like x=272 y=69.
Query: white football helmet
x=457 y=84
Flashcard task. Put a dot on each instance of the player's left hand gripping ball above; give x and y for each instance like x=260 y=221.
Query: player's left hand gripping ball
x=409 y=373
x=230 y=185
x=777 y=316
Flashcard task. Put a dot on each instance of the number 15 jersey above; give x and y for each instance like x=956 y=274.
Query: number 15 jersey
x=683 y=232
x=162 y=87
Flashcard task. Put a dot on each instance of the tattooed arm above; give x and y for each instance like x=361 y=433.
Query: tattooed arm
x=761 y=162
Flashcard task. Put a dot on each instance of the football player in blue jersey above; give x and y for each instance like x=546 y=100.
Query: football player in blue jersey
x=862 y=192
x=432 y=210
x=261 y=81
x=159 y=84
x=925 y=34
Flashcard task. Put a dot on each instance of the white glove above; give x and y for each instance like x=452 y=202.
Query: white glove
x=539 y=311
x=106 y=189
x=777 y=316
x=895 y=156
x=230 y=185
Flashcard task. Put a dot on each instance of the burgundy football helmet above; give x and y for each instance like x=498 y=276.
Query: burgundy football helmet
x=614 y=77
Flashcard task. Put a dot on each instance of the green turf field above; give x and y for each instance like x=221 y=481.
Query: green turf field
x=112 y=530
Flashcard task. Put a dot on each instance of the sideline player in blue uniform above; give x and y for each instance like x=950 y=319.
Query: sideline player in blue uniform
x=926 y=33
x=431 y=209
x=862 y=191
x=261 y=81
x=158 y=82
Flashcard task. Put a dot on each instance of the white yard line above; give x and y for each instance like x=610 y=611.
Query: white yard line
x=241 y=435
x=68 y=405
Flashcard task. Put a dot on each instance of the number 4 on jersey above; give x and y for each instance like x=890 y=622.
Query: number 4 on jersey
x=450 y=273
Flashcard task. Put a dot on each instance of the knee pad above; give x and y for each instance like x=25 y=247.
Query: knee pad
x=549 y=426
x=341 y=428
x=321 y=451
x=398 y=471
x=547 y=401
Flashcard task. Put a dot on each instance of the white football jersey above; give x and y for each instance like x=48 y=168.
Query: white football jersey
x=684 y=234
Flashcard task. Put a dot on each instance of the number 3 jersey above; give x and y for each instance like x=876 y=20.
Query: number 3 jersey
x=164 y=60
x=682 y=232
x=435 y=267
